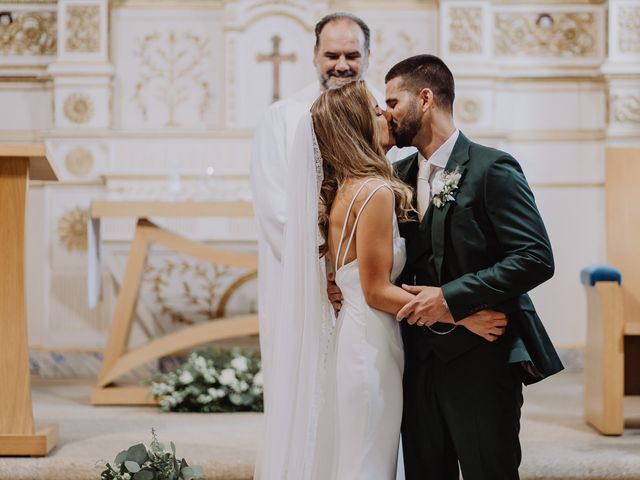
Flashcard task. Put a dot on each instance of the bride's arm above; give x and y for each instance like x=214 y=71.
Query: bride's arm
x=374 y=249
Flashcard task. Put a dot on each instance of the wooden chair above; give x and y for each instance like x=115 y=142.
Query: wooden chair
x=612 y=354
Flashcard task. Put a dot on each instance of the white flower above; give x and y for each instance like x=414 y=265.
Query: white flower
x=200 y=364
x=438 y=184
x=258 y=379
x=228 y=377
x=454 y=177
x=185 y=377
x=216 y=393
x=240 y=364
x=161 y=388
x=202 y=398
x=444 y=186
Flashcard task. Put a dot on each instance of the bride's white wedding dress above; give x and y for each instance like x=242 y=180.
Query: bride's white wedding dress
x=369 y=364
x=333 y=392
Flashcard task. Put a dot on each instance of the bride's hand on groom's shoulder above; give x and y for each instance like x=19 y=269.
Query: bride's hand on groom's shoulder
x=334 y=293
x=489 y=324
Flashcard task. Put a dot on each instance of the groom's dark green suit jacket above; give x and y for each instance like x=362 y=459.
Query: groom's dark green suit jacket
x=486 y=250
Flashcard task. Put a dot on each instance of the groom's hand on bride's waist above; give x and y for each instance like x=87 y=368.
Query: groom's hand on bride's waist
x=489 y=324
x=427 y=308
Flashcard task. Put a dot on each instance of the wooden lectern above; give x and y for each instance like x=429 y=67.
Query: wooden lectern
x=18 y=436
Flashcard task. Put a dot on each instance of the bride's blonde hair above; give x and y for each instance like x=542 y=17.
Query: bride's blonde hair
x=345 y=125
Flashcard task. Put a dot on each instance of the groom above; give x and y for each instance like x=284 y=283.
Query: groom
x=477 y=243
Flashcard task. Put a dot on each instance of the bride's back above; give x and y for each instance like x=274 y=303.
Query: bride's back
x=348 y=201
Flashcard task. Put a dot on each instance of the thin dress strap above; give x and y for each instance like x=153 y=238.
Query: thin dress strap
x=346 y=221
x=355 y=223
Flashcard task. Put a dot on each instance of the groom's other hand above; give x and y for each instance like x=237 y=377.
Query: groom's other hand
x=334 y=293
x=489 y=324
x=427 y=308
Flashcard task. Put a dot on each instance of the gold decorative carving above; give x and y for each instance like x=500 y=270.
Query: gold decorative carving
x=78 y=108
x=469 y=110
x=79 y=161
x=629 y=29
x=83 y=28
x=72 y=229
x=466 y=30
x=626 y=109
x=29 y=33
x=571 y=34
x=172 y=71
x=205 y=289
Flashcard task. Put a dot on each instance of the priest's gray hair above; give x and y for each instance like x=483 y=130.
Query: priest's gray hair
x=332 y=17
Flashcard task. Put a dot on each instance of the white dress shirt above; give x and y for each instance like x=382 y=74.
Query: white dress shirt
x=429 y=168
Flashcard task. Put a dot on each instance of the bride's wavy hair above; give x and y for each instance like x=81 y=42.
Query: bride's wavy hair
x=345 y=125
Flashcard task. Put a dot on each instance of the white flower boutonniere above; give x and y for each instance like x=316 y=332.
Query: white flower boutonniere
x=444 y=186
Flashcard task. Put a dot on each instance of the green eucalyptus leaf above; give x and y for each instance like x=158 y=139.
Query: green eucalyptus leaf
x=137 y=453
x=133 y=467
x=198 y=470
x=121 y=457
x=187 y=473
x=173 y=448
x=143 y=475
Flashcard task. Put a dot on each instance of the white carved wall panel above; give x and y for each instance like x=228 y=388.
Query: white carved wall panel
x=170 y=66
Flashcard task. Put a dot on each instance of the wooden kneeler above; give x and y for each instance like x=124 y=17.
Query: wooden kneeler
x=612 y=355
x=118 y=360
x=604 y=352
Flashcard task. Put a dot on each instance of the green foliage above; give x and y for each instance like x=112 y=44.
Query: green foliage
x=212 y=380
x=154 y=463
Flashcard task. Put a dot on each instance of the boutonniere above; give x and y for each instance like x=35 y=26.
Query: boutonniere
x=444 y=186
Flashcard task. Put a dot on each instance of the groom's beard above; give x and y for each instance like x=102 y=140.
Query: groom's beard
x=407 y=131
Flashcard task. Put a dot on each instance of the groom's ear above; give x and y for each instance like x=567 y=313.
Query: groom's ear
x=426 y=95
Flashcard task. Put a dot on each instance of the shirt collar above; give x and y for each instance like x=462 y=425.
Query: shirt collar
x=441 y=156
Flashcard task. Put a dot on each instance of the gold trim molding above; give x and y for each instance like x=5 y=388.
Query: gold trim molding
x=78 y=108
x=30 y=34
x=79 y=161
x=465 y=25
x=626 y=108
x=83 y=29
x=33 y=2
x=554 y=34
x=629 y=29
x=72 y=229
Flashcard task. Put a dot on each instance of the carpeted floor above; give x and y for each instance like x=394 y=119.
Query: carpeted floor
x=556 y=443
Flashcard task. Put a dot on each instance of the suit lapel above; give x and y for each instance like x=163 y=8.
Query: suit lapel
x=458 y=159
x=407 y=170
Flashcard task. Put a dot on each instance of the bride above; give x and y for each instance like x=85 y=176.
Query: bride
x=334 y=409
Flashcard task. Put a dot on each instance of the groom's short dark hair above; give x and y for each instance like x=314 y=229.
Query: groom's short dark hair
x=426 y=71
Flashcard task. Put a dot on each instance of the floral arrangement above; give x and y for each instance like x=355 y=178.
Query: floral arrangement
x=444 y=186
x=212 y=380
x=154 y=463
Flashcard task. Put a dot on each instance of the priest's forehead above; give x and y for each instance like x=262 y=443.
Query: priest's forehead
x=342 y=28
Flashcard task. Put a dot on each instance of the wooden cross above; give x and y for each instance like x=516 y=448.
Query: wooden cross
x=276 y=58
